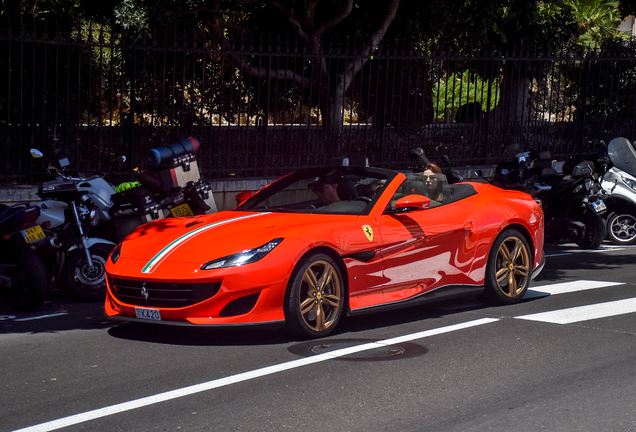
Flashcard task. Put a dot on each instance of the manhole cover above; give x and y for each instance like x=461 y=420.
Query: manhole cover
x=374 y=353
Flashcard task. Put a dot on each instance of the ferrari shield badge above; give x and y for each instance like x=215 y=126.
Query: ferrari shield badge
x=368 y=231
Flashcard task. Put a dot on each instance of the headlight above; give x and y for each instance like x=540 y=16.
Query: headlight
x=93 y=217
x=629 y=182
x=245 y=257
x=114 y=255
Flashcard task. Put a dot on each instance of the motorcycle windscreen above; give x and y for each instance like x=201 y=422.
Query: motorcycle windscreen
x=622 y=154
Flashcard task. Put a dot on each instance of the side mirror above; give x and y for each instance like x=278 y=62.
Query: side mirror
x=413 y=201
x=243 y=196
x=37 y=154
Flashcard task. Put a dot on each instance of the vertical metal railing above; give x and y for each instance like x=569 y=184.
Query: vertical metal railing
x=92 y=95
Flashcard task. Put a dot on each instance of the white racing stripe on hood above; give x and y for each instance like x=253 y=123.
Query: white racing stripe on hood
x=152 y=264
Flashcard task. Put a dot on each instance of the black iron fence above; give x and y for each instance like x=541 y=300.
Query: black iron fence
x=267 y=106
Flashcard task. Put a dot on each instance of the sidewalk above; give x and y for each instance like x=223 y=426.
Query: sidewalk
x=224 y=190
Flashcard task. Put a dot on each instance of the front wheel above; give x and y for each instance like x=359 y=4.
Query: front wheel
x=315 y=297
x=621 y=228
x=83 y=282
x=509 y=267
x=594 y=231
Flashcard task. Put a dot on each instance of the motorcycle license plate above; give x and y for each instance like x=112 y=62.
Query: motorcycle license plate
x=33 y=234
x=599 y=205
x=149 y=314
x=182 y=210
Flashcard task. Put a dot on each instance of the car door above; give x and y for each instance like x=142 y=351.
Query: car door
x=426 y=249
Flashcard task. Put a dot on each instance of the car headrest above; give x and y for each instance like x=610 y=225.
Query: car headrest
x=346 y=189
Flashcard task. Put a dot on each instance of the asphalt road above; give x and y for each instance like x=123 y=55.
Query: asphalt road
x=562 y=360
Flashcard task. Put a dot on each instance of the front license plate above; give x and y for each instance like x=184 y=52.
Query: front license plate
x=149 y=314
x=182 y=210
x=33 y=234
x=599 y=205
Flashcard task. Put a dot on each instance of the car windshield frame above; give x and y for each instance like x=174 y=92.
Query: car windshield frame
x=293 y=193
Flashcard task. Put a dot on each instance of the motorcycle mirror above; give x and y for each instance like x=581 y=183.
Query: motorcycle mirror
x=418 y=153
x=446 y=160
x=37 y=154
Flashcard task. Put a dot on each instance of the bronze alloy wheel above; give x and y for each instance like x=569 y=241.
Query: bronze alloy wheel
x=513 y=267
x=320 y=296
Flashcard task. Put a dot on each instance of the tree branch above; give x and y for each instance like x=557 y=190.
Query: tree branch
x=255 y=71
x=336 y=19
x=354 y=66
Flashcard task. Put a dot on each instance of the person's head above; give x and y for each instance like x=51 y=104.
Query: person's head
x=326 y=189
x=432 y=176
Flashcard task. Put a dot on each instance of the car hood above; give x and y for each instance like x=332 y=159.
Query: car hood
x=203 y=238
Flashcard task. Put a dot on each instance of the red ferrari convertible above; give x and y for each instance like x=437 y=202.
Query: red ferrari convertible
x=323 y=242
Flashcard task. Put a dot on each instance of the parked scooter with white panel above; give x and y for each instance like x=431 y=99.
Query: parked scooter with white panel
x=619 y=183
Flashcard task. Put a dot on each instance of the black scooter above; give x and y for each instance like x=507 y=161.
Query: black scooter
x=570 y=200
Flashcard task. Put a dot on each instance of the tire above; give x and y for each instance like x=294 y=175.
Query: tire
x=29 y=281
x=509 y=267
x=315 y=297
x=76 y=278
x=621 y=228
x=594 y=231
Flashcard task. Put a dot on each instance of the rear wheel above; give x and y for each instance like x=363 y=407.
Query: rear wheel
x=315 y=297
x=508 y=272
x=28 y=277
x=594 y=231
x=83 y=282
x=621 y=228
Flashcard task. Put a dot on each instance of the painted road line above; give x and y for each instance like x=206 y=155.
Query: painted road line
x=222 y=382
x=584 y=313
x=567 y=287
x=41 y=316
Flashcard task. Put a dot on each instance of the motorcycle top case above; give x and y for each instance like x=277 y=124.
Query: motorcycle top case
x=579 y=169
x=58 y=190
x=178 y=172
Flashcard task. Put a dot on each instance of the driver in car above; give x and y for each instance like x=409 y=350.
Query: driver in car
x=326 y=189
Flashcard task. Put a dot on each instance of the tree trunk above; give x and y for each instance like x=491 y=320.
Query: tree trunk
x=507 y=119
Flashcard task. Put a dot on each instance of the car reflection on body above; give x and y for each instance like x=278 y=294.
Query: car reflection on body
x=285 y=256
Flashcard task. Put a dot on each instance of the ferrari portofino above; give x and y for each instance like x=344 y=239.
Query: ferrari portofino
x=321 y=243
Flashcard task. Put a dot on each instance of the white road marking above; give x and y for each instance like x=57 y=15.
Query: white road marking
x=584 y=313
x=602 y=248
x=221 y=382
x=535 y=292
x=567 y=287
x=41 y=316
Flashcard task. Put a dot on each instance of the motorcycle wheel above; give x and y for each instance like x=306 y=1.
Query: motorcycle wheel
x=29 y=281
x=594 y=231
x=621 y=228
x=79 y=280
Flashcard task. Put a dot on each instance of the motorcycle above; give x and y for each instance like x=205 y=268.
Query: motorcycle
x=72 y=257
x=23 y=281
x=170 y=186
x=618 y=180
x=572 y=200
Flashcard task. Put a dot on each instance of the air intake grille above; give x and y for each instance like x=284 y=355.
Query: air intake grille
x=162 y=294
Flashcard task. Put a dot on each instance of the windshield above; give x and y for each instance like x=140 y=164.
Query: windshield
x=621 y=153
x=340 y=190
